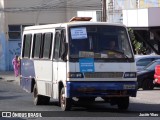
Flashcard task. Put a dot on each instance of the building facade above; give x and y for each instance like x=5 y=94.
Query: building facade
x=115 y=7
x=149 y=3
x=16 y=14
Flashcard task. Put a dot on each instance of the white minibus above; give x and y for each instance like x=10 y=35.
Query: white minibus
x=74 y=61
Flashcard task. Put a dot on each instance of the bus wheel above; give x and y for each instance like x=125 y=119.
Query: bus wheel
x=123 y=103
x=65 y=103
x=37 y=99
x=46 y=100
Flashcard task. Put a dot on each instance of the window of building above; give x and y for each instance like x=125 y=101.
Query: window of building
x=47 y=45
x=14 y=32
x=37 y=45
x=27 y=45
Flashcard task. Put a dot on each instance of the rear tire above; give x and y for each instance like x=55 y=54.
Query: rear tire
x=147 y=84
x=39 y=99
x=45 y=100
x=65 y=103
x=123 y=103
x=36 y=98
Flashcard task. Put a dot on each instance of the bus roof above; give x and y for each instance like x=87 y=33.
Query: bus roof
x=77 y=23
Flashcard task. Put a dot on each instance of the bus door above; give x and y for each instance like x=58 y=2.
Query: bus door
x=43 y=66
x=59 y=64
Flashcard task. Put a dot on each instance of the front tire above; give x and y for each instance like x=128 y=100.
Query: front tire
x=65 y=103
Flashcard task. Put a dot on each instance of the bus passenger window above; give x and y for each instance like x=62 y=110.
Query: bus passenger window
x=27 y=45
x=57 y=45
x=62 y=45
x=47 y=45
x=37 y=45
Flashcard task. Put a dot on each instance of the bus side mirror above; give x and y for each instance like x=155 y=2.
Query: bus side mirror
x=64 y=51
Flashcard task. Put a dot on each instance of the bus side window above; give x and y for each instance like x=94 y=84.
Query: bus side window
x=27 y=45
x=37 y=45
x=47 y=45
x=57 y=45
x=63 y=49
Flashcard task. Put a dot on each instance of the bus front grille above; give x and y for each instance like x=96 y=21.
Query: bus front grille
x=103 y=75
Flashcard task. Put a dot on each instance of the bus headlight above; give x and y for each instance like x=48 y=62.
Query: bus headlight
x=130 y=75
x=75 y=75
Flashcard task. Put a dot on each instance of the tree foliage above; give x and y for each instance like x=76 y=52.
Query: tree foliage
x=137 y=45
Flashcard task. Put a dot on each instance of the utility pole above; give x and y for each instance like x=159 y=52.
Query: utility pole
x=137 y=4
x=104 y=15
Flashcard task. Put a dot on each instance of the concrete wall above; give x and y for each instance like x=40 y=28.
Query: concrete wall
x=141 y=17
x=78 y=5
x=2 y=52
x=23 y=12
x=53 y=11
x=29 y=11
x=2 y=40
x=154 y=17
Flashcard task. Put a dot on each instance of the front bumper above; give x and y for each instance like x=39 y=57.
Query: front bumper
x=101 y=89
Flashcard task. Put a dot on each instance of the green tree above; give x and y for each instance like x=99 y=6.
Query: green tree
x=138 y=47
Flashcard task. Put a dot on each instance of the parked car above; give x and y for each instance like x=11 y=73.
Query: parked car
x=144 y=60
x=157 y=75
x=145 y=77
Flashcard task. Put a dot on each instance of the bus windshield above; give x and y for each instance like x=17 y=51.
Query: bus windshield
x=99 y=42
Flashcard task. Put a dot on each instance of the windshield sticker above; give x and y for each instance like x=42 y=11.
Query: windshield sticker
x=86 y=54
x=79 y=33
x=86 y=65
x=104 y=56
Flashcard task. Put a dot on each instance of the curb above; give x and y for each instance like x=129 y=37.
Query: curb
x=10 y=80
x=9 y=77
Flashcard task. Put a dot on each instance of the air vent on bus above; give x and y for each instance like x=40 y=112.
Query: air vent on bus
x=48 y=89
x=103 y=75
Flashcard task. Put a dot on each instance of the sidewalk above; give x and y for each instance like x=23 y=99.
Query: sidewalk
x=9 y=76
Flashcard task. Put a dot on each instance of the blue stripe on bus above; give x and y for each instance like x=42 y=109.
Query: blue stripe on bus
x=27 y=73
x=99 y=89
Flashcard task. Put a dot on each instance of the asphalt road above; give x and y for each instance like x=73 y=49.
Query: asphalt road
x=13 y=99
